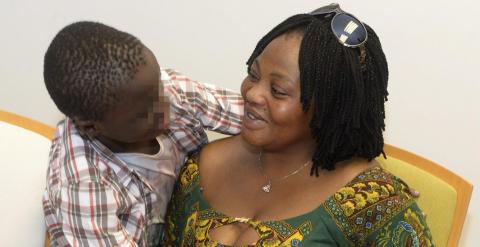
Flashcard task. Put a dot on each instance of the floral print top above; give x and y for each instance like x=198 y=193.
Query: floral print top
x=374 y=209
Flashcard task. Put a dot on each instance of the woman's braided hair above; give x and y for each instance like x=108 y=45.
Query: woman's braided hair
x=347 y=94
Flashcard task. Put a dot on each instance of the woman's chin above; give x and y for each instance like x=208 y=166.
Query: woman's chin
x=253 y=137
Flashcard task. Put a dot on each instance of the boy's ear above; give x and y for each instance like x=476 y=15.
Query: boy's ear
x=87 y=127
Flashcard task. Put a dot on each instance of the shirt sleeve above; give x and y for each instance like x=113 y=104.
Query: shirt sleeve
x=88 y=217
x=376 y=209
x=196 y=106
x=407 y=228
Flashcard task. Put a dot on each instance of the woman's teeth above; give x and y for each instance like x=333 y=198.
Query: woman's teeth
x=251 y=116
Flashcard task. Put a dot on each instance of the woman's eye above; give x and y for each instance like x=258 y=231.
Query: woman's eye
x=278 y=92
x=252 y=76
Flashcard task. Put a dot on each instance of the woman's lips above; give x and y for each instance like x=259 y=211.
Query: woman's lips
x=252 y=119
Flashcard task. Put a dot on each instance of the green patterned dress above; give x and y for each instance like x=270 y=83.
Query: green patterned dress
x=374 y=209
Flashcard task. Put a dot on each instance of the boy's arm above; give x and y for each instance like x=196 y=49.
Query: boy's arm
x=87 y=216
x=196 y=106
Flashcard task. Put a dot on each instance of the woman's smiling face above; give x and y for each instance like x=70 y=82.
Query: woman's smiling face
x=273 y=112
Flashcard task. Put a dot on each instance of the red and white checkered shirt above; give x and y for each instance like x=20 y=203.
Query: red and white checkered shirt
x=93 y=198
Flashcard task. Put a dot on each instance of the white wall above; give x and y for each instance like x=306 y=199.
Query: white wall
x=432 y=48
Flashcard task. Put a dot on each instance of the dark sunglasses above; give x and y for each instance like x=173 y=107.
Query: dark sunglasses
x=347 y=28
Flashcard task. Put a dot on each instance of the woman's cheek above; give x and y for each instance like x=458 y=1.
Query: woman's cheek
x=244 y=87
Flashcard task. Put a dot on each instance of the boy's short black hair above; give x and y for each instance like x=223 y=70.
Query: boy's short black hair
x=85 y=65
x=347 y=95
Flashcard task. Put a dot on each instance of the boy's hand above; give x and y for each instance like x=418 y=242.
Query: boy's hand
x=416 y=194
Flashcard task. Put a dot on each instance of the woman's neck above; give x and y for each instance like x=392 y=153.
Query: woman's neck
x=282 y=161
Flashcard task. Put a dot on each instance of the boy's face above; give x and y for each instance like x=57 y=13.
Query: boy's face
x=142 y=111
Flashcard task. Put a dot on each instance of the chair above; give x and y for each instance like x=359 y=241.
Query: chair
x=25 y=146
x=444 y=195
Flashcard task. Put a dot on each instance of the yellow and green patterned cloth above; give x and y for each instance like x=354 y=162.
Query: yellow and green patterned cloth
x=374 y=209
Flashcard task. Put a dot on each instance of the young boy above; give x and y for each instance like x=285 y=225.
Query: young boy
x=115 y=157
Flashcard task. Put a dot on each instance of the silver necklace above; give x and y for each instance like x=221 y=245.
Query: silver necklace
x=268 y=187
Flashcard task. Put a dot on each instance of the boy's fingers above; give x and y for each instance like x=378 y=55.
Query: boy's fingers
x=415 y=193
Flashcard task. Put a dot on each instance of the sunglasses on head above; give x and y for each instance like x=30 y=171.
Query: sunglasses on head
x=347 y=28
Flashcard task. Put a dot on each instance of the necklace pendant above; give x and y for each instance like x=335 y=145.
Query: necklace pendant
x=267 y=188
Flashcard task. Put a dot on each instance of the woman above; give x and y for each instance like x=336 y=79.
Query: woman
x=302 y=172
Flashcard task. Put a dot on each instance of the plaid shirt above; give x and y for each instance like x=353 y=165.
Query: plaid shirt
x=94 y=199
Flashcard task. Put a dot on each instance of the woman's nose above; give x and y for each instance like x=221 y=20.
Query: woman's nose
x=256 y=94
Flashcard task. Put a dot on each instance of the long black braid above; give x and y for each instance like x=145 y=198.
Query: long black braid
x=347 y=95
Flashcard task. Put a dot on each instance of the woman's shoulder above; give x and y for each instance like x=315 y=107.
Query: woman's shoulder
x=207 y=160
x=374 y=185
x=374 y=188
x=374 y=205
x=216 y=153
x=222 y=152
x=381 y=181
